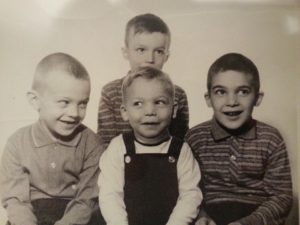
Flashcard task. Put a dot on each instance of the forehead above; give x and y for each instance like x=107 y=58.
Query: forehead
x=231 y=78
x=145 y=38
x=142 y=87
x=59 y=81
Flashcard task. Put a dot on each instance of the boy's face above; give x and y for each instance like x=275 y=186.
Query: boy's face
x=232 y=97
x=147 y=49
x=148 y=108
x=62 y=104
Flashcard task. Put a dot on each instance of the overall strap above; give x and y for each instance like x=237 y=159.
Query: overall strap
x=175 y=147
x=128 y=139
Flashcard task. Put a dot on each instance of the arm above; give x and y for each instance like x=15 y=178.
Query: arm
x=15 y=187
x=111 y=184
x=278 y=187
x=180 y=125
x=79 y=209
x=106 y=117
x=190 y=196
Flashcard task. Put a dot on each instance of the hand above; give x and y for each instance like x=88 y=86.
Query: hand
x=205 y=221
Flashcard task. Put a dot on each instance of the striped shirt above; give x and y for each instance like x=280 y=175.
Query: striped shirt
x=251 y=167
x=111 y=124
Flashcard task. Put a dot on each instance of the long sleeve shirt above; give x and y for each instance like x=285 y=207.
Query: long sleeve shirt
x=35 y=166
x=250 y=167
x=111 y=124
x=111 y=183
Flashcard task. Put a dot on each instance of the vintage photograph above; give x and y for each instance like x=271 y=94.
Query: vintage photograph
x=141 y=112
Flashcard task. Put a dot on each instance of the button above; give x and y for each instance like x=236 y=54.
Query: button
x=127 y=159
x=233 y=157
x=53 y=165
x=171 y=159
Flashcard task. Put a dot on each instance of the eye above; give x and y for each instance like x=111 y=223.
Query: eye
x=161 y=102
x=137 y=103
x=63 y=103
x=140 y=50
x=219 y=92
x=160 y=51
x=243 y=92
x=83 y=105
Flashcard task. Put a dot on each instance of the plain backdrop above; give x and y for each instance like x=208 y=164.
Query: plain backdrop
x=93 y=32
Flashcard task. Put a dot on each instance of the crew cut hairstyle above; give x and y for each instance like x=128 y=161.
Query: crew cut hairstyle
x=58 y=62
x=149 y=23
x=148 y=73
x=235 y=62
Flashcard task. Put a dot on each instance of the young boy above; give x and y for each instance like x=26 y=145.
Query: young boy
x=49 y=169
x=147 y=176
x=147 y=42
x=246 y=174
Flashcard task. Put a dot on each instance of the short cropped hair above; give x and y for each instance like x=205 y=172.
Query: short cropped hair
x=148 y=73
x=236 y=62
x=58 y=62
x=148 y=23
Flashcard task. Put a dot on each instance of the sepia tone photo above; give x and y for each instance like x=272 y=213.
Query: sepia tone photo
x=97 y=52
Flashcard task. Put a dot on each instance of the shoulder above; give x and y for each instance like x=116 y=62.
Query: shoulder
x=116 y=148
x=179 y=91
x=21 y=134
x=112 y=85
x=202 y=128
x=266 y=131
x=90 y=140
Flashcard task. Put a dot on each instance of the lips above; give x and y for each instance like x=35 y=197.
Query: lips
x=233 y=113
x=150 y=123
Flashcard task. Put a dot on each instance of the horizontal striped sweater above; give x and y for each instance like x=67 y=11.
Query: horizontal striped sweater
x=251 y=167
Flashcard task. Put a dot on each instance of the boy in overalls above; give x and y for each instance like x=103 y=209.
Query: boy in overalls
x=147 y=176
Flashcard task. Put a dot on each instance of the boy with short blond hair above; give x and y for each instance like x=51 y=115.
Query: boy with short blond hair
x=245 y=168
x=49 y=169
x=147 y=42
x=147 y=176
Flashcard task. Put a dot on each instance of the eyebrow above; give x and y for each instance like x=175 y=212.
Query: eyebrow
x=221 y=86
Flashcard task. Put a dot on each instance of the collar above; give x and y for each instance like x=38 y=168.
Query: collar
x=248 y=131
x=42 y=137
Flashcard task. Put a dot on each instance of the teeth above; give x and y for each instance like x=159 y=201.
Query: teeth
x=233 y=113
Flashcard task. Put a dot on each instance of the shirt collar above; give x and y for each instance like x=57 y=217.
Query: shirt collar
x=247 y=132
x=42 y=137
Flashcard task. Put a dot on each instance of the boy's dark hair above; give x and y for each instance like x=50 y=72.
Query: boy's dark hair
x=58 y=61
x=236 y=62
x=146 y=23
x=148 y=73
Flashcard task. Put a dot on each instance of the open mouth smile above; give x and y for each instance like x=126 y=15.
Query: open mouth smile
x=233 y=113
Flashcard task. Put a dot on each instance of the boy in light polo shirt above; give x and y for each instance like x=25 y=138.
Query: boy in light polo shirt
x=49 y=169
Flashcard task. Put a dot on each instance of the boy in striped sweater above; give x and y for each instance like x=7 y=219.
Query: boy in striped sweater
x=147 y=42
x=246 y=173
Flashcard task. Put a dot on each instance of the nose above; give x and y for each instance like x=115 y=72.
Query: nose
x=73 y=111
x=150 y=110
x=150 y=57
x=232 y=100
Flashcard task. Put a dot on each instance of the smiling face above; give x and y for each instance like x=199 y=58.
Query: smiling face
x=148 y=107
x=62 y=102
x=147 y=49
x=232 y=97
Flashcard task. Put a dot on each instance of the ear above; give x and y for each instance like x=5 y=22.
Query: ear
x=175 y=109
x=125 y=52
x=167 y=56
x=207 y=99
x=124 y=113
x=259 y=98
x=33 y=99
